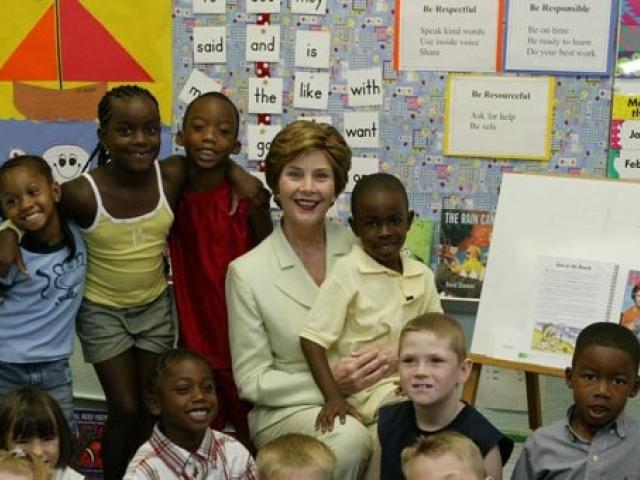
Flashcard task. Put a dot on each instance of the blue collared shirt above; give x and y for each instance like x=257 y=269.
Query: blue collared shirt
x=557 y=452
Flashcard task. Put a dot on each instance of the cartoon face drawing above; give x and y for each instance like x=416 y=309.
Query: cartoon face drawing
x=66 y=161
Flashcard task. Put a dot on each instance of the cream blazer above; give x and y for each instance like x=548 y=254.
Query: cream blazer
x=269 y=293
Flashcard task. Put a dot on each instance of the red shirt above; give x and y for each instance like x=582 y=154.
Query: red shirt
x=203 y=241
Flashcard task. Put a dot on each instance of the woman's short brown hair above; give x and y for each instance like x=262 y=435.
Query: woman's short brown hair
x=302 y=136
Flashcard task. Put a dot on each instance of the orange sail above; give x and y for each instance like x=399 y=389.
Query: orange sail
x=35 y=58
x=67 y=44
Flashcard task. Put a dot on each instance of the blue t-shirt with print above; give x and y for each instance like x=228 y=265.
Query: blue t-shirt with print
x=38 y=310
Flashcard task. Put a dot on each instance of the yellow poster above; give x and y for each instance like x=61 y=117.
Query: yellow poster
x=58 y=57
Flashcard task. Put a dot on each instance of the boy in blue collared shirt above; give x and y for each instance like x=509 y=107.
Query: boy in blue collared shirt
x=596 y=440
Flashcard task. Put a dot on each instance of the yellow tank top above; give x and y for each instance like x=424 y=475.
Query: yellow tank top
x=125 y=265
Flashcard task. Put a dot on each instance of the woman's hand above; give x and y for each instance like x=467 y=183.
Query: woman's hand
x=364 y=367
x=10 y=252
x=335 y=407
x=388 y=352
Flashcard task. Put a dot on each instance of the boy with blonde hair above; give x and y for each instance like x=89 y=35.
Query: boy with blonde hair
x=432 y=363
x=443 y=456
x=296 y=456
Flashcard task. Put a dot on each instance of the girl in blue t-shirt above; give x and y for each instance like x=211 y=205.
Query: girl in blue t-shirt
x=38 y=309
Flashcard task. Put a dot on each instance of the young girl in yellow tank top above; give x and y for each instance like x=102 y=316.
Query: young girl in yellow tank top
x=125 y=210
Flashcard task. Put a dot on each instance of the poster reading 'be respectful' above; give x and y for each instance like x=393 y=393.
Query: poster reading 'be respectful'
x=448 y=35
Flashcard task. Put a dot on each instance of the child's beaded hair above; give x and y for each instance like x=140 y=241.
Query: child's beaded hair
x=295 y=451
x=104 y=113
x=443 y=443
x=39 y=165
x=29 y=412
x=23 y=464
x=166 y=360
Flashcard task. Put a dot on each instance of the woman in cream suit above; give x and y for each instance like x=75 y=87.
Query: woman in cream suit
x=271 y=288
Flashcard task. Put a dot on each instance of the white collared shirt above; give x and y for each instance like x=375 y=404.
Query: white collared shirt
x=362 y=302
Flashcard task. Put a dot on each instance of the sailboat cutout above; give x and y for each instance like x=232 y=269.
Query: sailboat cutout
x=67 y=45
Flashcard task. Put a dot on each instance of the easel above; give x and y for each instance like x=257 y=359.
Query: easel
x=531 y=373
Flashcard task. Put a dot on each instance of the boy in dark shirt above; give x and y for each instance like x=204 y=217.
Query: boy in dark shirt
x=432 y=363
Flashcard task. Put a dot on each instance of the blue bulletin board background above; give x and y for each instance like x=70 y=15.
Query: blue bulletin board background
x=412 y=115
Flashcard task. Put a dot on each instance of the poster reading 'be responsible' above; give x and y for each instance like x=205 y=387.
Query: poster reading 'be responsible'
x=560 y=36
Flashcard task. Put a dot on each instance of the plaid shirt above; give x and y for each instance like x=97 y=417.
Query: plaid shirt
x=219 y=457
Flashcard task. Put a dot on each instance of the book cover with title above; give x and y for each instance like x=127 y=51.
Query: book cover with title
x=630 y=314
x=88 y=457
x=465 y=236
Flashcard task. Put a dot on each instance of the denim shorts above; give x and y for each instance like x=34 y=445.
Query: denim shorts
x=105 y=332
x=55 y=378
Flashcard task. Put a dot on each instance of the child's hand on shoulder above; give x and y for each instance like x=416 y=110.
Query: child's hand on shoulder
x=10 y=253
x=245 y=185
x=259 y=199
x=254 y=192
x=335 y=407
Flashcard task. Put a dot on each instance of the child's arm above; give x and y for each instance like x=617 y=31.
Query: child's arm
x=10 y=250
x=524 y=466
x=335 y=404
x=78 y=202
x=260 y=223
x=493 y=463
x=174 y=176
x=246 y=185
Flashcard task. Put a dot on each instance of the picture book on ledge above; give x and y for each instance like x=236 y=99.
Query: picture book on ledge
x=630 y=314
x=465 y=236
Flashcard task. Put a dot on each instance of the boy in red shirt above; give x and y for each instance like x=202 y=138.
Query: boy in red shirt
x=205 y=238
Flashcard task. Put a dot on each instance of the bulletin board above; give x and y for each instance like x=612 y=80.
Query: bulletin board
x=412 y=113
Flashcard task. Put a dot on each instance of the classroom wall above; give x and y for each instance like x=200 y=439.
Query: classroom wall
x=412 y=110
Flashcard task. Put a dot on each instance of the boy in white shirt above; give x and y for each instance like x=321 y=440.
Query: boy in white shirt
x=367 y=298
x=182 y=445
